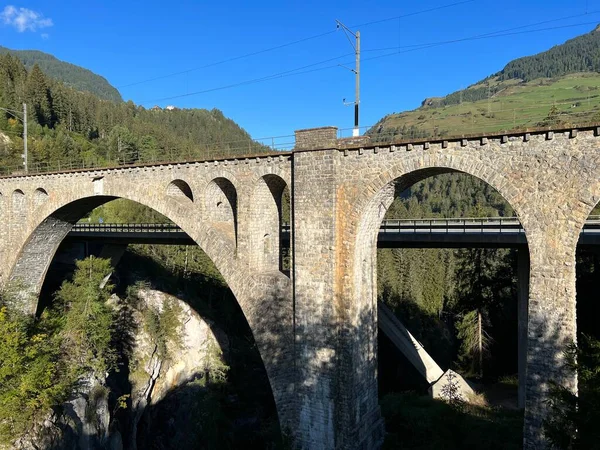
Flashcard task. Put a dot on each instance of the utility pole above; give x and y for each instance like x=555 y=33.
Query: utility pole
x=25 y=136
x=356 y=46
x=356 y=131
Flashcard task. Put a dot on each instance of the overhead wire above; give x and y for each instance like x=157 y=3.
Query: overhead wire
x=288 y=44
x=499 y=33
x=252 y=81
x=399 y=50
x=235 y=58
x=416 y=13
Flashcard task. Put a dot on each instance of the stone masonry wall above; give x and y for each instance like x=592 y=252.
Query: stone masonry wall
x=551 y=179
x=316 y=138
x=317 y=331
x=33 y=225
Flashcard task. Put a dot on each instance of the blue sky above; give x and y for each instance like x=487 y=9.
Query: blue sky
x=131 y=42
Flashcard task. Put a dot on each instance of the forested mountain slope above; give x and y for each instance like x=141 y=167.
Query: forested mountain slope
x=560 y=86
x=68 y=127
x=78 y=78
x=581 y=54
x=432 y=290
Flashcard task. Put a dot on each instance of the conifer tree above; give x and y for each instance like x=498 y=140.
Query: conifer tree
x=38 y=96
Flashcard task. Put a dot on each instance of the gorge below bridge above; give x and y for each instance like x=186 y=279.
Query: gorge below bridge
x=316 y=325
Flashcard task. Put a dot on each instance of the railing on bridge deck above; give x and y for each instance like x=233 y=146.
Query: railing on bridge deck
x=481 y=225
x=83 y=227
x=446 y=225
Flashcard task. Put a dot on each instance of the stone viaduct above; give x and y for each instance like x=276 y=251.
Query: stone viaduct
x=316 y=328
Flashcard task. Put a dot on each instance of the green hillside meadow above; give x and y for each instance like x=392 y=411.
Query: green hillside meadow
x=568 y=100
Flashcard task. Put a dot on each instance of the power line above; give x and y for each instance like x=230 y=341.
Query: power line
x=254 y=80
x=499 y=33
x=472 y=38
x=416 y=13
x=235 y=58
x=288 y=44
x=400 y=50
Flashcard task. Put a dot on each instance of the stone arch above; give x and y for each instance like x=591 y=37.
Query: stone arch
x=587 y=265
x=265 y=302
x=266 y=223
x=589 y=201
x=39 y=196
x=18 y=206
x=221 y=206
x=179 y=190
x=369 y=210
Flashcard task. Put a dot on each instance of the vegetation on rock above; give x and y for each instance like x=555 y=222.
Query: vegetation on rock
x=43 y=359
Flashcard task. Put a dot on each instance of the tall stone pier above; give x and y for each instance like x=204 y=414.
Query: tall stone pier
x=336 y=338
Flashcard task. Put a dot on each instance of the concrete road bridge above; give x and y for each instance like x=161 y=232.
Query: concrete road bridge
x=316 y=328
x=487 y=232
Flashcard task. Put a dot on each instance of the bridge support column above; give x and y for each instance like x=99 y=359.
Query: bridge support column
x=523 y=301
x=336 y=390
x=551 y=327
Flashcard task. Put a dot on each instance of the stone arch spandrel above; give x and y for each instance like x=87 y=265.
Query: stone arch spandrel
x=588 y=199
x=417 y=166
x=272 y=170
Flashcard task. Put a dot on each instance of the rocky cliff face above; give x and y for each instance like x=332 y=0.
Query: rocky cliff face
x=159 y=360
x=188 y=355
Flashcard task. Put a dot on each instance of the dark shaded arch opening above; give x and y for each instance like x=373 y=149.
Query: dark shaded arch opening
x=39 y=196
x=221 y=206
x=425 y=276
x=587 y=276
x=180 y=189
x=271 y=223
x=208 y=295
x=580 y=411
x=19 y=206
